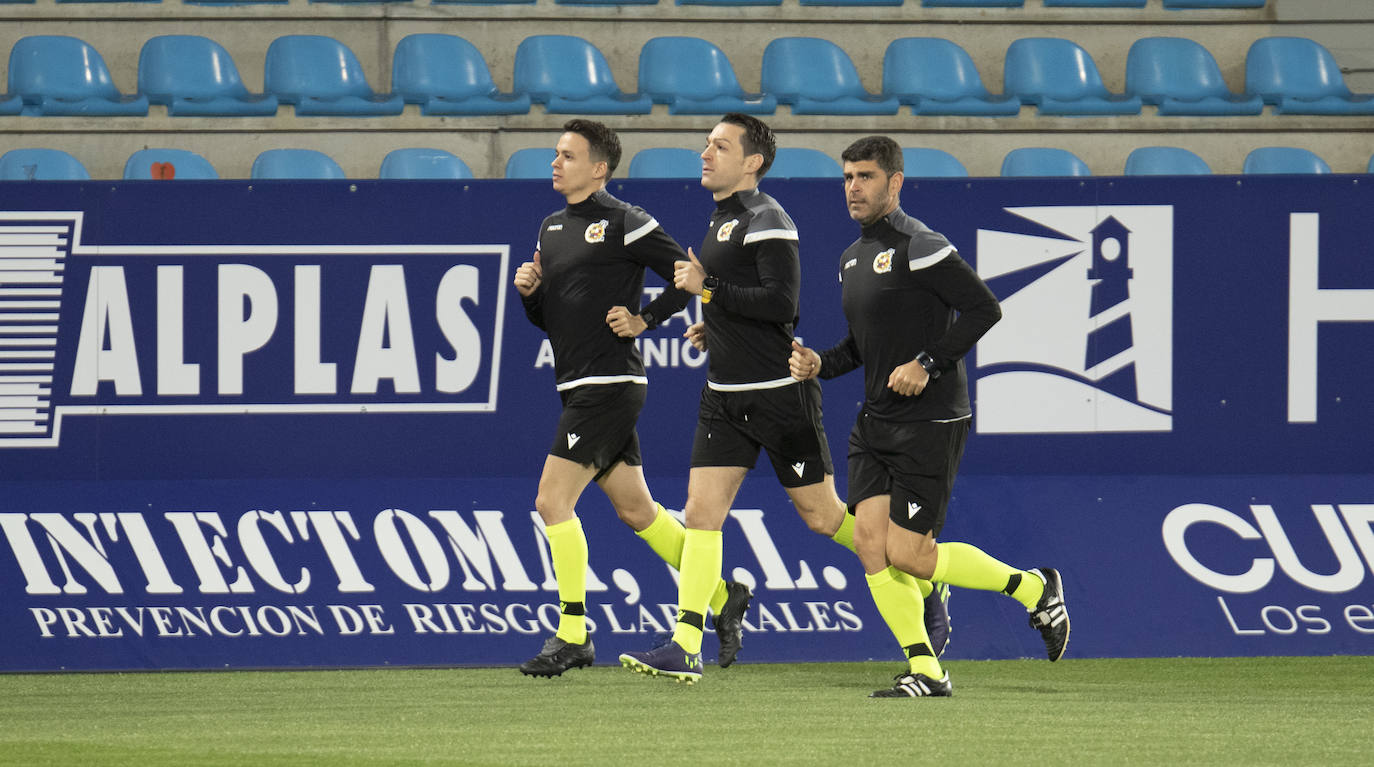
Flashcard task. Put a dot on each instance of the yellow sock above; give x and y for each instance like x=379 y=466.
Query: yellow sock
x=845 y=535
x=665 y=536
x=920 y=584
x=902 y=609
x=961 y=564
x=568 y=547
x=701 y=562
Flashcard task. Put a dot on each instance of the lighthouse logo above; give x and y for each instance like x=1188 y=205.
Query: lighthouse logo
x=1085 y=341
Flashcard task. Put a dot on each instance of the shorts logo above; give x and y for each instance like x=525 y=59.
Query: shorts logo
x=723 y=233
x=911 y=508
x=800 y=468
x=882 y=263
x=572 y=440
x=1085 y=343
x=597 y=232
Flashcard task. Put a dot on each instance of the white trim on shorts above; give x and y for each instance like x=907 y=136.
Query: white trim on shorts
x=601 y=380
x=776 y=383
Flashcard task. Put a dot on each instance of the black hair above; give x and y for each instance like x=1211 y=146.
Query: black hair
x=758 y=139
x=605 y=144
x=880 y=149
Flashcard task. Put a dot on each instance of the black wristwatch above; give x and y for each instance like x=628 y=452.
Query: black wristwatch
x=648 y=318
x=709 y=286
x=928 y=362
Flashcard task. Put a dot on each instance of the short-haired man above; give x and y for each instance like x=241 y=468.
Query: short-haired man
x=749 y=279
x=583 y=287
x=914 y=309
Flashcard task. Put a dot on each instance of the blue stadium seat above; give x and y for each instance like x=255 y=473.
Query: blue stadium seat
x=58 y=75
x=666 y=162
x=1284 y=159
x=1299 y=76
x=1181 y=77
x=168 y=164
x=794 y=162
x=1043 y=161
x=1188 y=4
x=937 y=77
x=482 y=2
x=1165 y=161
x=569 y=75
x=923 y=162
x=851 y=2
x=694 y=77
x=195 y=77
x=446 y=75
x=295 y=163
x=536 y=162
x=1094 y=3
x=423 y=163
x=606 y=2
x=1060 y=78
x=41 y=165
x=729 y=2
x=973 y=3
x=816 y=77
x=321 y=76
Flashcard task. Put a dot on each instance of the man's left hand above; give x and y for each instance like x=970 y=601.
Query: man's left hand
x=908 y=380
x=624 y=324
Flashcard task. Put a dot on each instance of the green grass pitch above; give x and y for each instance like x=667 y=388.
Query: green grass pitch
x=1240 y=711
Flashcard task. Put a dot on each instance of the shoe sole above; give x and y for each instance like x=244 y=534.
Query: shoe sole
x=723 y=661
x=1068 y=626
x=685 y=677
x=552 y=674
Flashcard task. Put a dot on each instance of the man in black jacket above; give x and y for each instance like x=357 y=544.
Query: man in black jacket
x=914 y=309
x=583 y=287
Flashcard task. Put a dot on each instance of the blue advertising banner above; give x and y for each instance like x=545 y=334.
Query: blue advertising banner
x=283 y=424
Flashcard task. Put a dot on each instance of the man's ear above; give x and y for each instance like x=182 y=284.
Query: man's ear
x=894 y=183
x=752 y=163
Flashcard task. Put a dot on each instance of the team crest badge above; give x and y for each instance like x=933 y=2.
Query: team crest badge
x=882 y=263
x=597 y=232
x=723 y=233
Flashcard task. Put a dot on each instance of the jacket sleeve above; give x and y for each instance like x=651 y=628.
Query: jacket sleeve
x=778 y=294
x=649 y=245
x=955 y=282
x=840 y=358
x=534 y=306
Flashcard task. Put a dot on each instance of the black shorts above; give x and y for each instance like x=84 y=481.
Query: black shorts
x=784 y=421
x=913 y=462
x=597 y=427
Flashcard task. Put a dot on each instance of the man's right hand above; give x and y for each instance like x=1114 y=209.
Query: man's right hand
x=529 y=275
x=805 y=363
x=696 y=334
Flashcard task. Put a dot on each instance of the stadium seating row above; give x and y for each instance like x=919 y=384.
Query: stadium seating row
x=658 y=162
x=1170 y=4
x=447 y=75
